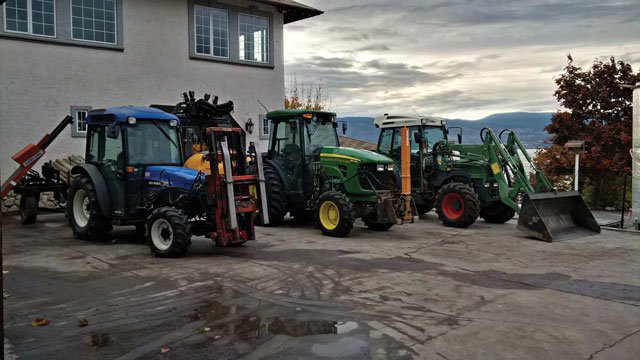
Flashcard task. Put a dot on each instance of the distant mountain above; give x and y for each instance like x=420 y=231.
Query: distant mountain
x=528 y=126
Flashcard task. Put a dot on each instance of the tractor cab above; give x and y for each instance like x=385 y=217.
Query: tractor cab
x=297 y=137
x=424 y=132
x=427 y=130
x=121 y=143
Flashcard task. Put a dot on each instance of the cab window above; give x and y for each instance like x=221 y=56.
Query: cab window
x=105 y=149
x=384 y=145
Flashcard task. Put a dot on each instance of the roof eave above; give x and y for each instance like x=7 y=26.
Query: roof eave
x=293 y=11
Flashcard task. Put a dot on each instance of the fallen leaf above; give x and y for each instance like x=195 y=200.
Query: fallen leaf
x=165 y=350
x=5 y=295
x=206 y=329
x=40 y=322
x=83 y=323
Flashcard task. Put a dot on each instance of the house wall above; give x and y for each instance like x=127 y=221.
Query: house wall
x=39 y=82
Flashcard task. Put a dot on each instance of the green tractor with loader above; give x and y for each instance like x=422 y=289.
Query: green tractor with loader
x=308 y=175
x=489 y=180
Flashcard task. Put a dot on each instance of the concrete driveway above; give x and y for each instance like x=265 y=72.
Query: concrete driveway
x=416 y=291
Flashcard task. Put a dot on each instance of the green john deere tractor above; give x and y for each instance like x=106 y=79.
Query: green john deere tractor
x=309 y=175
x=464 y=182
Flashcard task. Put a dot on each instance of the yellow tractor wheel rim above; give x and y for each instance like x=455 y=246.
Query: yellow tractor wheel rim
x=329 y=215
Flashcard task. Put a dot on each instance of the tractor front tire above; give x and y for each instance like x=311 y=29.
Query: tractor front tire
x=497 y=213
x=83 y=211
x=276 y=196
x=377 y=226
x=334 y=214
x=426 y=207
x=168 y=232
x=29 y=209
x=457 y=205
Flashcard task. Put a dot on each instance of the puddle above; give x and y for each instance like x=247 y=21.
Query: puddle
x=347 y=326
x=297 y=328
x=265 y=320
x=344 y=347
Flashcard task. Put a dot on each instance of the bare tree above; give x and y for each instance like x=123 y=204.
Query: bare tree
x=305 y=96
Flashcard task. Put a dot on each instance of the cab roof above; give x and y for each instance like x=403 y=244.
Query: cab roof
x=289 y=113
x=392 y=121
x=121 y=113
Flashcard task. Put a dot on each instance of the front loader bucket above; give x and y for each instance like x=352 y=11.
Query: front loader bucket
x=556 y=216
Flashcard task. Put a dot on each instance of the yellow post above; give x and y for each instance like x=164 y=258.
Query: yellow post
x=406 y=174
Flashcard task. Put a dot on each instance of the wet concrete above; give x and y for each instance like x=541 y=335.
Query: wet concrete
x=416 y=291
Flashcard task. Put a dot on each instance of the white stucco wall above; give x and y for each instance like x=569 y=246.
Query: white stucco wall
x=39 y=82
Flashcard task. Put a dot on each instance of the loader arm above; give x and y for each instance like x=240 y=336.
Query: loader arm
x=500 y=158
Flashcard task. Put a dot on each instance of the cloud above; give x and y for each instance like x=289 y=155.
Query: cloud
x=458 y=58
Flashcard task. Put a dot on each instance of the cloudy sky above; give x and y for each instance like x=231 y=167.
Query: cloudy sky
x=454 y=58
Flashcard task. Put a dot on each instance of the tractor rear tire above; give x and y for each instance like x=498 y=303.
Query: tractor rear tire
x=83 y=211
x=377 y=226
x=457 y=205
x=168 y=232
x=334 y=214
x=29 y=209
x=497 y=213
x=276 y=196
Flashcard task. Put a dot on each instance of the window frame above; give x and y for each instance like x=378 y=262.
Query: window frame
x=115 y=25
x=63 y=29
x=232 y=34
x=262 y=134
x=268 y=38
x=74 y=112
x=195 y=45
x=30 y=21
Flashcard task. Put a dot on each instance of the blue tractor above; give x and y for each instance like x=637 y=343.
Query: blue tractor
x=134 y=175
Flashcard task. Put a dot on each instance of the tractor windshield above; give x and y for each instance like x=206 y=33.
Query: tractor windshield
x=433 y=135
x=153 y=143
x=321 y=133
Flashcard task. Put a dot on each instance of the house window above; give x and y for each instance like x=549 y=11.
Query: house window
x=79 y=114
x=264 y=127
x=253 y=34
x=35 y=17
x=93 y=20
x=212 y=31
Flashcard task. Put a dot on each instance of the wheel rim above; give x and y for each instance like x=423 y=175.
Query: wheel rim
x=453 y=206
x=329 y=215
x=81 y=211
x=161 y=234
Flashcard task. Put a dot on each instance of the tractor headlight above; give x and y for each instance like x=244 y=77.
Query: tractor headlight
x=173 y=123
x=390 y=167
x=380 y=167
x=131 y=120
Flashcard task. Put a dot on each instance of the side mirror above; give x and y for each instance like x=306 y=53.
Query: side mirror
x=112 y=131
x=459 y=138
x=344 y=128
x=417 y=138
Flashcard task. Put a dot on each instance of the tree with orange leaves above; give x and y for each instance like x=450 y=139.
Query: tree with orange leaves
x=598 y=111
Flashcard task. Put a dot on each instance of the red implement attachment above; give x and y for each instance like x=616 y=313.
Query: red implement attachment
x=236 y=194
x=29 y=156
